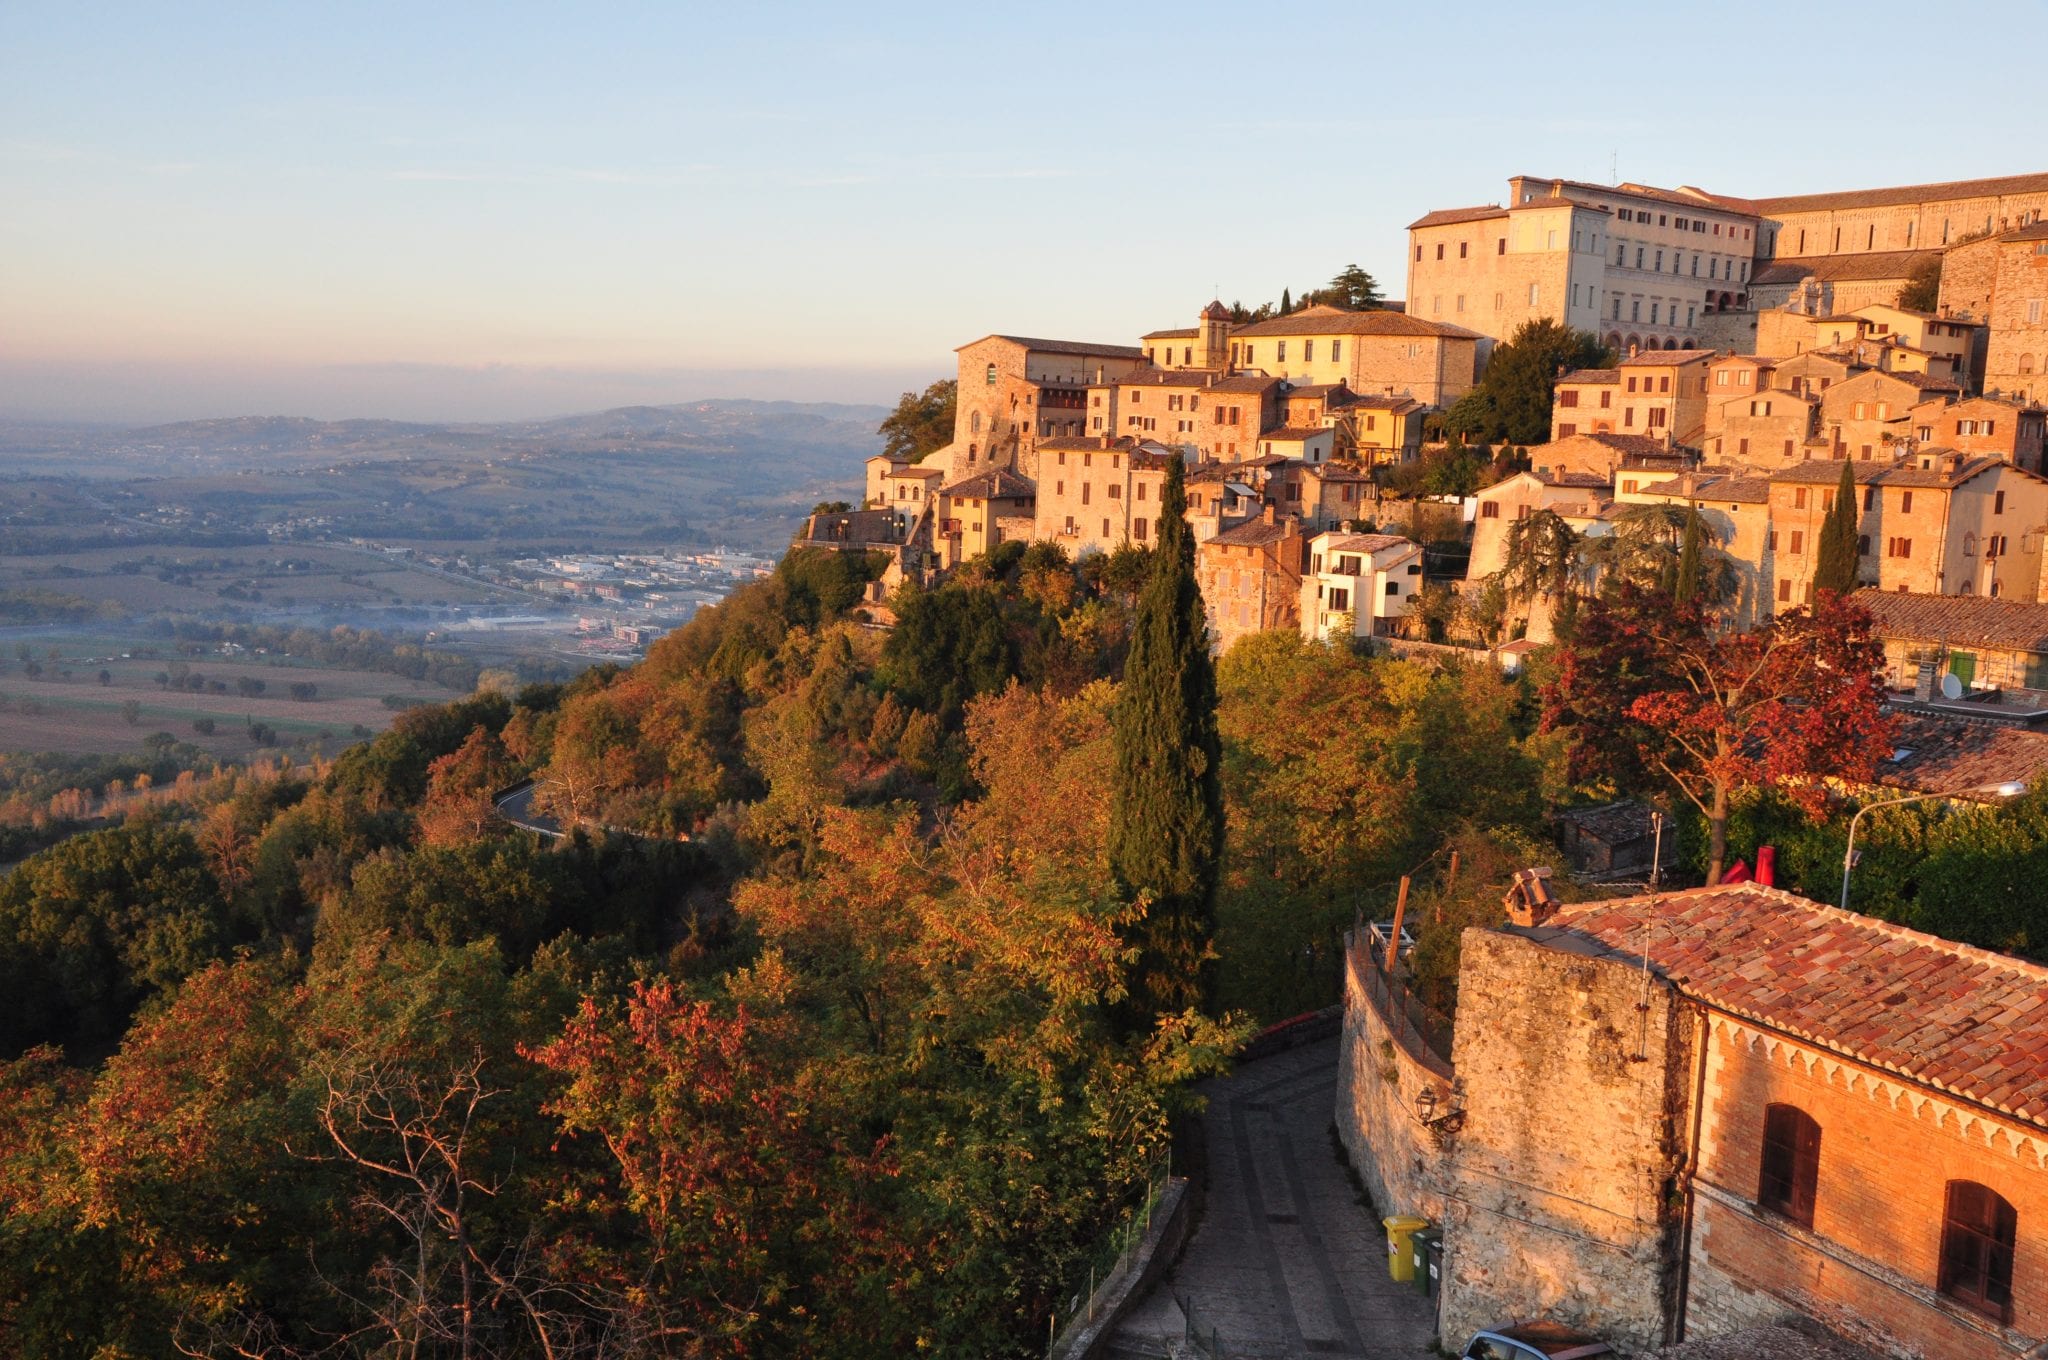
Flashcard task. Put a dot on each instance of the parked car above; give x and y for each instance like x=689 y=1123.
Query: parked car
x=1535 y=1341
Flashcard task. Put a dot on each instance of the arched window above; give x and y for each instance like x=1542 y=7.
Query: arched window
x=1671 y=342
x=991 y=375
x=970 y=453
x=974 y=422
x=1614 y=341
x=1978 y=1230
x=1791 y=1163
x=1969 y=545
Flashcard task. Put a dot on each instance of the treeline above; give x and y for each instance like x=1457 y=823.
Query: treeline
x=31 y=605
x=344 y=1063
x=364 y=649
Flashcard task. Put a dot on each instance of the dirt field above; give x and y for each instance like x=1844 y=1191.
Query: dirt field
x=80 y=715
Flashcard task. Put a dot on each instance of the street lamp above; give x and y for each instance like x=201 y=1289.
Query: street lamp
x=2011 y=788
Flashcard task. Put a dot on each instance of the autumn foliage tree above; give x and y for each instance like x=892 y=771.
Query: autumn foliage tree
x=1654 y=694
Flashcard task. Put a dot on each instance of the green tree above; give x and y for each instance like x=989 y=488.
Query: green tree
x=1836 y=569
x=1286 y=302
x=1354 y=288
x=1687 y=586
x=1166 y=815
x=1922 y=289
x=1513 y=398
x=922 y=422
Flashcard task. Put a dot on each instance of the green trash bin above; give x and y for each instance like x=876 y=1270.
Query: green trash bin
x=1426 y=1250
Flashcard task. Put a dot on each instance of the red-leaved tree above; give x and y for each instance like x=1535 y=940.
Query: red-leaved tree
x=1654 y=693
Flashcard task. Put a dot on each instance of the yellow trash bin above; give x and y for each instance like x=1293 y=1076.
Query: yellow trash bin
x=1400 y=1259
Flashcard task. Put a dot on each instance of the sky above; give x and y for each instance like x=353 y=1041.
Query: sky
x=503 y=211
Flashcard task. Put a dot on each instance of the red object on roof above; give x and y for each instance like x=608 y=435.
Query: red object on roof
x=1738 y=873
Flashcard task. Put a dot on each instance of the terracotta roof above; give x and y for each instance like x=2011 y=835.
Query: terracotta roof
x=1741 y=490
x=1178 y=333
x=1063 y=347
x=1600 y=376
x=1384 y=403
x=1330 y=321
x=1828 y=471
x=1589 y=480
x=916 y=470
x=1962 y=620
x=1247 y=382
x=995 y=484
x=1680 y=198
x=1877 y=264
x=1907 y=193
x=1450 y=217
x=1939 y=754
x=1167 y=377
x=1318 y=389
x=1946 y=1015
x=1216 y=311
x=1367 y=543
x=1335 y=472
x=2036 y=231
x=1295 y=433
x=1256 y=532
x=1661 y=357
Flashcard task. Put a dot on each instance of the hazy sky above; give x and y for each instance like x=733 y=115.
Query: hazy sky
x=429 y=209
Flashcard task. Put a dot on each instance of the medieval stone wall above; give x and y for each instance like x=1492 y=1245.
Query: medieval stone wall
x=1382 y=1068
x=1564 y=1199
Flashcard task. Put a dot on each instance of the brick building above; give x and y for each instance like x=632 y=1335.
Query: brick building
x=1677 y=1116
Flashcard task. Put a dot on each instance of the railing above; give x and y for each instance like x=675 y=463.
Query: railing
x=1113 y=1256
x=1203 y=1341
x=1424 y=1032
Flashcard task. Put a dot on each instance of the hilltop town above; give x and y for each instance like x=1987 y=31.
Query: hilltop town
x=1753 y=345
x=1691 y=1113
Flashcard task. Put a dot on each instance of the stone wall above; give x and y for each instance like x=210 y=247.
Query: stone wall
x=1382 y=1067
x=1563 y=1198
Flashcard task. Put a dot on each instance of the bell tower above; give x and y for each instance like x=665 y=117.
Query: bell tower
x=1214 y=351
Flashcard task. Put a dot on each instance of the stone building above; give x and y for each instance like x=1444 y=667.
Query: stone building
x=1763 y=427
x=1378 y=429
x=1580 y=497
x=1935 y=523
x=978 y=512
x=1015 y=391
x=1870 y=413
x=1983 y=642
x=1095 y=495
x=2016 y=352
x=1638 y=265
x=1680 y=1115
x=1582 y=402
x=1377 y=353
x=1912 y=217
x=1358 y=585
x=1250 y=576
x=902 y=486
x=1736 y=512
x=2003 y=429
x=1663 y=395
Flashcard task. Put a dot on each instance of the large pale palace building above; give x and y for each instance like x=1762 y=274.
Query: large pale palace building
x=1645 y=267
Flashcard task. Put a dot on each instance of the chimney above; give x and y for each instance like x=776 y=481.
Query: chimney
x=1529 y=901
x=1267 y=515
x=1923 y=683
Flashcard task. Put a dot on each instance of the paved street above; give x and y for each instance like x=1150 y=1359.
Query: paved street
x=1286 y=1262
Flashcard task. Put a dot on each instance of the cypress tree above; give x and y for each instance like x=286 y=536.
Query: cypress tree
x=1286 y=302
x=1836 y=569
x=1166 y=808
x=1687 y=588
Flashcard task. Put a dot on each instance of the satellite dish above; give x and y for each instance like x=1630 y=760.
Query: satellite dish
x=1951 y=688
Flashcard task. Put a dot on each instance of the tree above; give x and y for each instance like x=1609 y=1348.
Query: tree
x=302 y=690
x=1513 y=398
x=1922 y=289
x=1836 y=570
x=131 y=711
x=1687 y=588
x=1166 y=816
x=921 y=423
x=1541 y=557
x=248 y=686
x=1654 y=697
x=1352 y=288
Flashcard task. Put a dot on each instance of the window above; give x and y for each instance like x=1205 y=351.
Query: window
x=1439 y=250
x=1978 y=1229
x=1336 y=350
x=1798 y=542
x=1461 y=250
x=1905 y=502
x=1308 y=347
x=1784 y=592
x=1340 y=598
x=1281 y=357
x=1869 y=498
x=1535 y=293
x=1863 y=545
x=1418 y=254
x=1138 y=526
x=1084 y=493
x=1998 y=503
x=1500 y=247
x=1394 y=587
x=1489 y=510
x=1116 y=492
x=1898 y=547
x=1567 y=430
x=1791 y=1163
x=1798 y=498
x=991 y=375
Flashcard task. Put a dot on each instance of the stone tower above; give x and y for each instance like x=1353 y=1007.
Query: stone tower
x=1215 y=332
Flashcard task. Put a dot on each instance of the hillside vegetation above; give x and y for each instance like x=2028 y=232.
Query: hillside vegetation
x=346 y=1065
